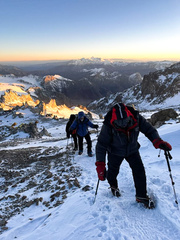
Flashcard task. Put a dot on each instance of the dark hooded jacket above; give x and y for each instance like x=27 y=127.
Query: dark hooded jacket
x=69 y=123
x=122 y=141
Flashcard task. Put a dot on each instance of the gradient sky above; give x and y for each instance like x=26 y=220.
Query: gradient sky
x=73 y=29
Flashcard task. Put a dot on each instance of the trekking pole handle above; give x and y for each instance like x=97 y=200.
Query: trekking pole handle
x=166 y=155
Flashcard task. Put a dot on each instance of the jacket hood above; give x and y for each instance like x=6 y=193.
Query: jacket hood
x=121 y=117
x=80 y=115
x=121 y=111
x=72 y=117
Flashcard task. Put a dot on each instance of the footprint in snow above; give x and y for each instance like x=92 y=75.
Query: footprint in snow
x=95 y=214
x=106 y=208
x=157 y=181
x=104 y=218
x=103 y=228
x=166 y=188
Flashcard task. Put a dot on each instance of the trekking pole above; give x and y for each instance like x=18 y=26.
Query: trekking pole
x=168 y=156
x=97 y=133
x=67 y=150
x=96 y=191
x=72 y=143
x=67 y=143
x=72 y=149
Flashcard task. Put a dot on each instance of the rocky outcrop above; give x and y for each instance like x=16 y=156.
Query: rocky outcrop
x=43 y=171
x=30 y=128
x=159 y=118
x=161 y=84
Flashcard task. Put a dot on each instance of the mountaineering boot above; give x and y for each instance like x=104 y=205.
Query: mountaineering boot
x=147 y=202
x=80 y=152
x=115 y=191
x=90 y=154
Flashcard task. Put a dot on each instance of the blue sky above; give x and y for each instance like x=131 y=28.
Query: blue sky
x=71 y=29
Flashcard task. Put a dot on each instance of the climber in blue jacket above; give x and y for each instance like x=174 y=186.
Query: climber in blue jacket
x=81 y=124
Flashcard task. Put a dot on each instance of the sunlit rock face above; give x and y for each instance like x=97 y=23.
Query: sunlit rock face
x=62 y=111
x=11 y=99
x=49 y=78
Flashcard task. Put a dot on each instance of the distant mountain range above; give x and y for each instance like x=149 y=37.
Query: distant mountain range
x=85 y=80
x=6 y=69
x=74 y=69
x=159 y=89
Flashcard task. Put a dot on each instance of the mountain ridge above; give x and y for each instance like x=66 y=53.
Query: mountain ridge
x=91 y=82
x=158 y=87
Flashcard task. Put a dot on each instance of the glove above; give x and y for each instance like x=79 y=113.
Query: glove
x=159 y=143
x=101 y=170
x=96 y=126
x=74 y=131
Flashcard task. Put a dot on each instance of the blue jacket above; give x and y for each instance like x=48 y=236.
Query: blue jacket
x=81 y=126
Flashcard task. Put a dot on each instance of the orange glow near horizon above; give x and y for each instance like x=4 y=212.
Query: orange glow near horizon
x=128 y=57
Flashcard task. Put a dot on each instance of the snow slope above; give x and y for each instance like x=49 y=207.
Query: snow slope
x=109 y=218
x=23 y=82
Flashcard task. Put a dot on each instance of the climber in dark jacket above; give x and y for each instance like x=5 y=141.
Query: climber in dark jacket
x=72 y=133
x=81 y=125
x=119 y=138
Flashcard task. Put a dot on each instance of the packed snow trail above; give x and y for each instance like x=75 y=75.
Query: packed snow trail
x=111 y=218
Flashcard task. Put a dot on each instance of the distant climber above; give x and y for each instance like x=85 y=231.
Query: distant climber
x=81 y=124
x=72 y=133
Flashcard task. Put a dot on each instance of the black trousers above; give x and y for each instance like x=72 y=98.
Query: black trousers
x=88 y=140
x=137 y=168
x=74 y=136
